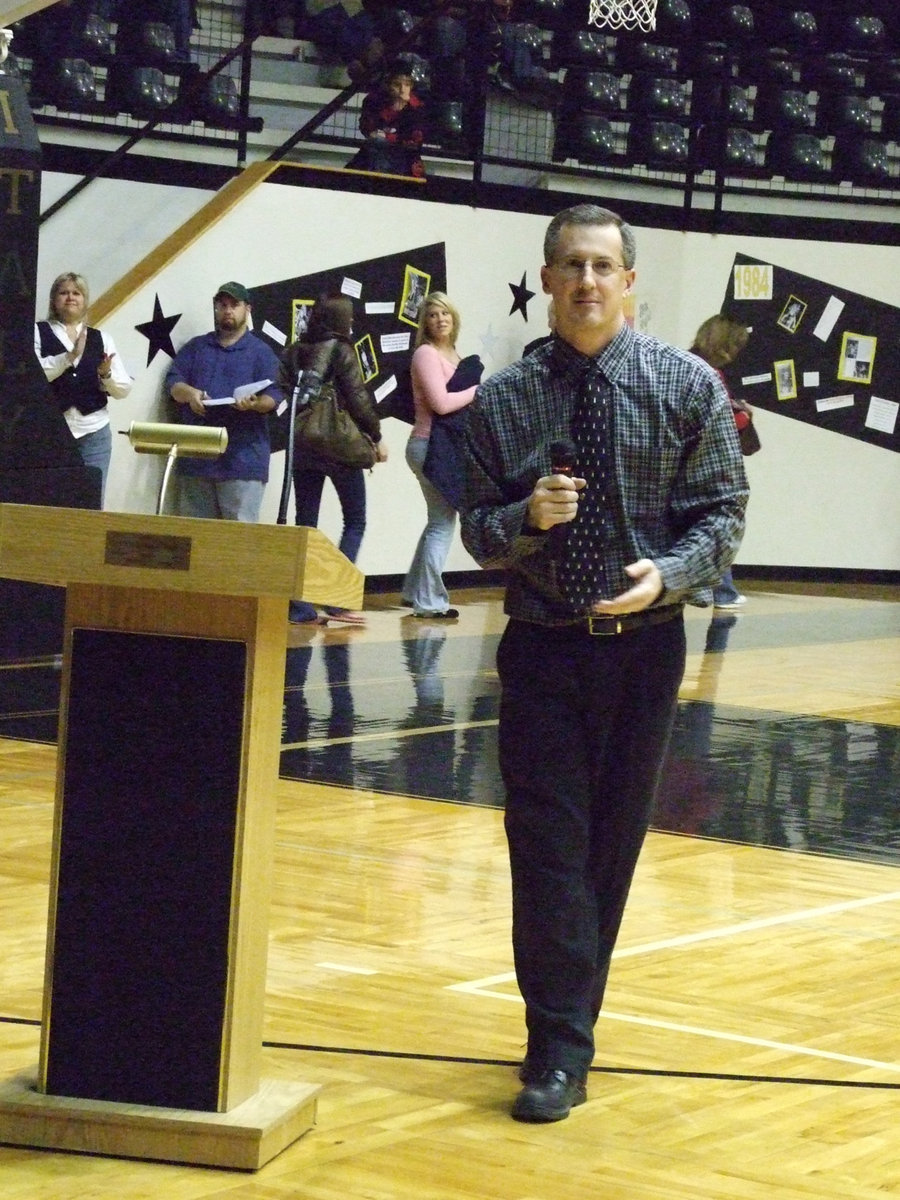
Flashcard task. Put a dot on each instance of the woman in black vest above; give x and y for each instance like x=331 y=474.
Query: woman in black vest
x=82 y=368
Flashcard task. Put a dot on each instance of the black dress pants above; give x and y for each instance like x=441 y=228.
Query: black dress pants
x=584 y=726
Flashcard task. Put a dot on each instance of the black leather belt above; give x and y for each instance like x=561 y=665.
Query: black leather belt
x=609 y=626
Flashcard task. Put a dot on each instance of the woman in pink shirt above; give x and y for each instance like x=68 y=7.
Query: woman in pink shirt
x=434 y=363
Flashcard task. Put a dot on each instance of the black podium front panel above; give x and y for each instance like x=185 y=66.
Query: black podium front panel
x=151 y=781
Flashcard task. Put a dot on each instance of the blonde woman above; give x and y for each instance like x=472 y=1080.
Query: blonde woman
x=82 y=368
x=434 y=364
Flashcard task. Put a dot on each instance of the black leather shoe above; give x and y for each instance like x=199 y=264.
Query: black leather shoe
x=548 y=1096
x=528 y=1073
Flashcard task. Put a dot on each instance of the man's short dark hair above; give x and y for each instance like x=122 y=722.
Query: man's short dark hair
x=589 y=214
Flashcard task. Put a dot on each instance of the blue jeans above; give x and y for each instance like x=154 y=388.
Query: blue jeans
x=350 y=485
x=725 y=592
x=228 y=499
x=96 y=450
x=423 y=586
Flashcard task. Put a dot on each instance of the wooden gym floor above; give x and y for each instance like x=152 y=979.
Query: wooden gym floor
x=749 y=1046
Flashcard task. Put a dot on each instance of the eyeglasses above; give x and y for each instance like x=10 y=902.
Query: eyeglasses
x=600 y=268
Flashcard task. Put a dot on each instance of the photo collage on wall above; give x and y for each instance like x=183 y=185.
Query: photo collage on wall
x=817 y=353
x=386 y=294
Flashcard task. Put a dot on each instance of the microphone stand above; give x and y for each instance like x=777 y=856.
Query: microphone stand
x=289 y=453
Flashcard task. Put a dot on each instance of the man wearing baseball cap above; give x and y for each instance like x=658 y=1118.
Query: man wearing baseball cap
x=204 y=379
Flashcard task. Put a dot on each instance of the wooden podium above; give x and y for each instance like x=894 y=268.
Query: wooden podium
x=170 y=721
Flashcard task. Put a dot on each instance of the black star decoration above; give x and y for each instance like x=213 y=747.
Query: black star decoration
x=158 y=332
x=521 y=296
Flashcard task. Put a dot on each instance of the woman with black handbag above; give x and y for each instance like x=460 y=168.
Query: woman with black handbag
x=326 y=351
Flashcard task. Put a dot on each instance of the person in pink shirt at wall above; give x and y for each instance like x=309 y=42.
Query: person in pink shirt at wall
x=434 y=364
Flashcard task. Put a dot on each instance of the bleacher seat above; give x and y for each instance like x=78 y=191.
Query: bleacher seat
x=657 y=95
x=836 y=71
x=673 y=19
x=594 y=91
x=589 y=138
x=96 y=41
x=843 y=112
x=154 y=45
x=863 y=32
x=580 y=48
x=715 y=99
x=795 y=28
x=713 y=60
x=219 y=102
x=143 y=92
x=785 y=108
x=74 y=84
x=730 y=149
x=797 y=156
x=861 y=160
x=653 y=57
x=658 y=144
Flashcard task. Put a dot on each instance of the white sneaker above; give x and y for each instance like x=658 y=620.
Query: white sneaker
x=737 y=602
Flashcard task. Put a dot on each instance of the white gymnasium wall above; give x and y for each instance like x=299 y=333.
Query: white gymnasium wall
x=106 y=228
x=819 y=499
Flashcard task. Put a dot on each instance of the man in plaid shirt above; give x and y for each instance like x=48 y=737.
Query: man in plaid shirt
x=589 y=687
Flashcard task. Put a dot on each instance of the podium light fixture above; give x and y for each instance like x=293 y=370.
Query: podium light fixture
x=176 y=441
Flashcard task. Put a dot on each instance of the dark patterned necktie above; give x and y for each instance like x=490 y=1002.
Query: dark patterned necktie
x=582 y=572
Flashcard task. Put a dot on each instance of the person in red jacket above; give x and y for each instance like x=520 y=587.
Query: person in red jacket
x=392 y=122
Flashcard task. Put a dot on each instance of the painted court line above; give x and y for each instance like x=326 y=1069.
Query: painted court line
x=706 y=935
x=330 y=966
x=391 y=735
x=482 y=988
x=807 y=914
x=485 y=986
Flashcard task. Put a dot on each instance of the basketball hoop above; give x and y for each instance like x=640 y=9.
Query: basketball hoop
x=623 y=14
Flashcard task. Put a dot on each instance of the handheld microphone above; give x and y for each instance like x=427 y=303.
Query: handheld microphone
x=563 y=456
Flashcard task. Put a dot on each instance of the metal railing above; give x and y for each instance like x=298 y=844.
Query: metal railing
x=508 y=130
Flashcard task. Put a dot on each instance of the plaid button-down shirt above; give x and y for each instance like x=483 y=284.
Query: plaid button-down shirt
x=682 y=489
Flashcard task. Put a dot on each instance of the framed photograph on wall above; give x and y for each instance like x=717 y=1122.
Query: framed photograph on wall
x=857 y=357
x=792 y=314
x=785 y=379
x=300 y=310
x=365 y=353
x=416 y=285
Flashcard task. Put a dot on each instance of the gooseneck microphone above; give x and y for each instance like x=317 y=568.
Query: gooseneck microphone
x=307 y=385
x=563 y=457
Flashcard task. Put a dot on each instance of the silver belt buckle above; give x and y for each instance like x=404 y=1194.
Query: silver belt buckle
x=598 y=631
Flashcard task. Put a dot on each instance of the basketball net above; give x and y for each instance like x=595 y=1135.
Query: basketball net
x=623 y=14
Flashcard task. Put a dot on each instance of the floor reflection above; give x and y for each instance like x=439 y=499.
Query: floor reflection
x=29 y=699
x=797 y=783
x=424 y=714
x=317 y=737
x=416 y=715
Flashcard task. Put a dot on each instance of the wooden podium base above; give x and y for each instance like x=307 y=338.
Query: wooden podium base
x=244 y=1139
x=164 y=832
